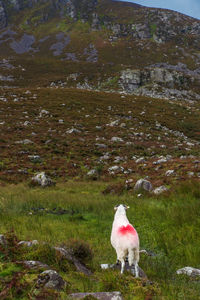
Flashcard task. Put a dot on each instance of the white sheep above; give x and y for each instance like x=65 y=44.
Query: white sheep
x=124 y=239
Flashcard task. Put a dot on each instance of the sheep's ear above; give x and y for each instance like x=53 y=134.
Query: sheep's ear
x=127 y=206
x=116 y=207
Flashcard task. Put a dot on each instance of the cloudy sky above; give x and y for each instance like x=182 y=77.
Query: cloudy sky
x=188 y=7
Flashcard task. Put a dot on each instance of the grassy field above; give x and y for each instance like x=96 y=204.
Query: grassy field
x=168 y=226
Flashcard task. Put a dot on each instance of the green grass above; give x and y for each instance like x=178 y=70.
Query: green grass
x=168 y=226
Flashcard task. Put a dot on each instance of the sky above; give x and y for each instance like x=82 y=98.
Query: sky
x=188 y=7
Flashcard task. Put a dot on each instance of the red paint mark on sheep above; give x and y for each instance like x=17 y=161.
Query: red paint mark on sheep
x=127 y=229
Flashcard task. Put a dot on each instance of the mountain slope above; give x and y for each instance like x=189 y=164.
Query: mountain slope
x=100 y=45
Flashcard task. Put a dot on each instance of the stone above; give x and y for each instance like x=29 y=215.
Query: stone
x=34 y=264
x=79 y=266
x=143 y=184
x=28 y=243
x=169 y=172
x=189 y=271
x=73 y=130
x=116 y=139
x=42 y=179
x=98 y=295
x=50 y=279
x=140 y=160
x=159 y=190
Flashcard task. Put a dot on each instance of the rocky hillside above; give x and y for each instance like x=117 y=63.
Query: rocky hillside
x=100 y=44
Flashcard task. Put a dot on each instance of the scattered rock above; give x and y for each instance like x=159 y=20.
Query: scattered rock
x=28 y=243
x=116 y=139
x=169 y=172
x=101 y=296
x=42 y=179
x=50 y=279
x=34 y=264
x=143 y=184
x=159 y=190
x=189 y=271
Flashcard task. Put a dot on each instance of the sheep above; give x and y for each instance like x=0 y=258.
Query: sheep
x=124 y=239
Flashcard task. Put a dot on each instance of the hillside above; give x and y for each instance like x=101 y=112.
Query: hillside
x=102 y=45
x=99 y=105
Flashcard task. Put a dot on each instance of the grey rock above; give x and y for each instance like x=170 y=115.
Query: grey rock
x=42 y=179
x=189 y=271
x=34 y=264
x=115 y=169
x=28 y=243
x=50 y=279
x=73 y=130
x=98 y=295
x=143 y=184
x=25 y=142
x=159 y=190
x=116 y=139
x=169 y=172
x=79 y=266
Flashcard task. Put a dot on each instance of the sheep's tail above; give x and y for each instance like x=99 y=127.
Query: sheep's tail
x=133 y=256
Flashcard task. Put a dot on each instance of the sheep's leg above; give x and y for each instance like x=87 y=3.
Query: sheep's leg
x=136 y=260
x=120 y=257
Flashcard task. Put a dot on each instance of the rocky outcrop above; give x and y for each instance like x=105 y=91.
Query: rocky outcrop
x=163 y=81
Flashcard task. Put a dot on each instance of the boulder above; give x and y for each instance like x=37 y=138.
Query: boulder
x=189 y=271
x=42 y=179
x=50 y=279
x=143 y=184
x=101 y=296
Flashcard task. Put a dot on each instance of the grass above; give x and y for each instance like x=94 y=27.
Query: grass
x=167 y=225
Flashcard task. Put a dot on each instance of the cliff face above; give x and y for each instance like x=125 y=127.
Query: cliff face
x=103 y=44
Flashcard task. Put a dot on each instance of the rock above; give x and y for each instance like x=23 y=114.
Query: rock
x=42 y=179
x=169 y=172
x=50 y=279
x=79 y=266
x=117 y=266
x=116 y=139
x=189 y=271
x=33 y=264
x=28 y=243
x=73 y=130
x=3 y=241
x=98 y=295
x=159 y=190
x=143 y=184
x=115 y=169
x=140 y=160
x=25 y=142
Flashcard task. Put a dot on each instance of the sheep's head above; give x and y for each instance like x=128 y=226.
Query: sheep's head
x=121 y=208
